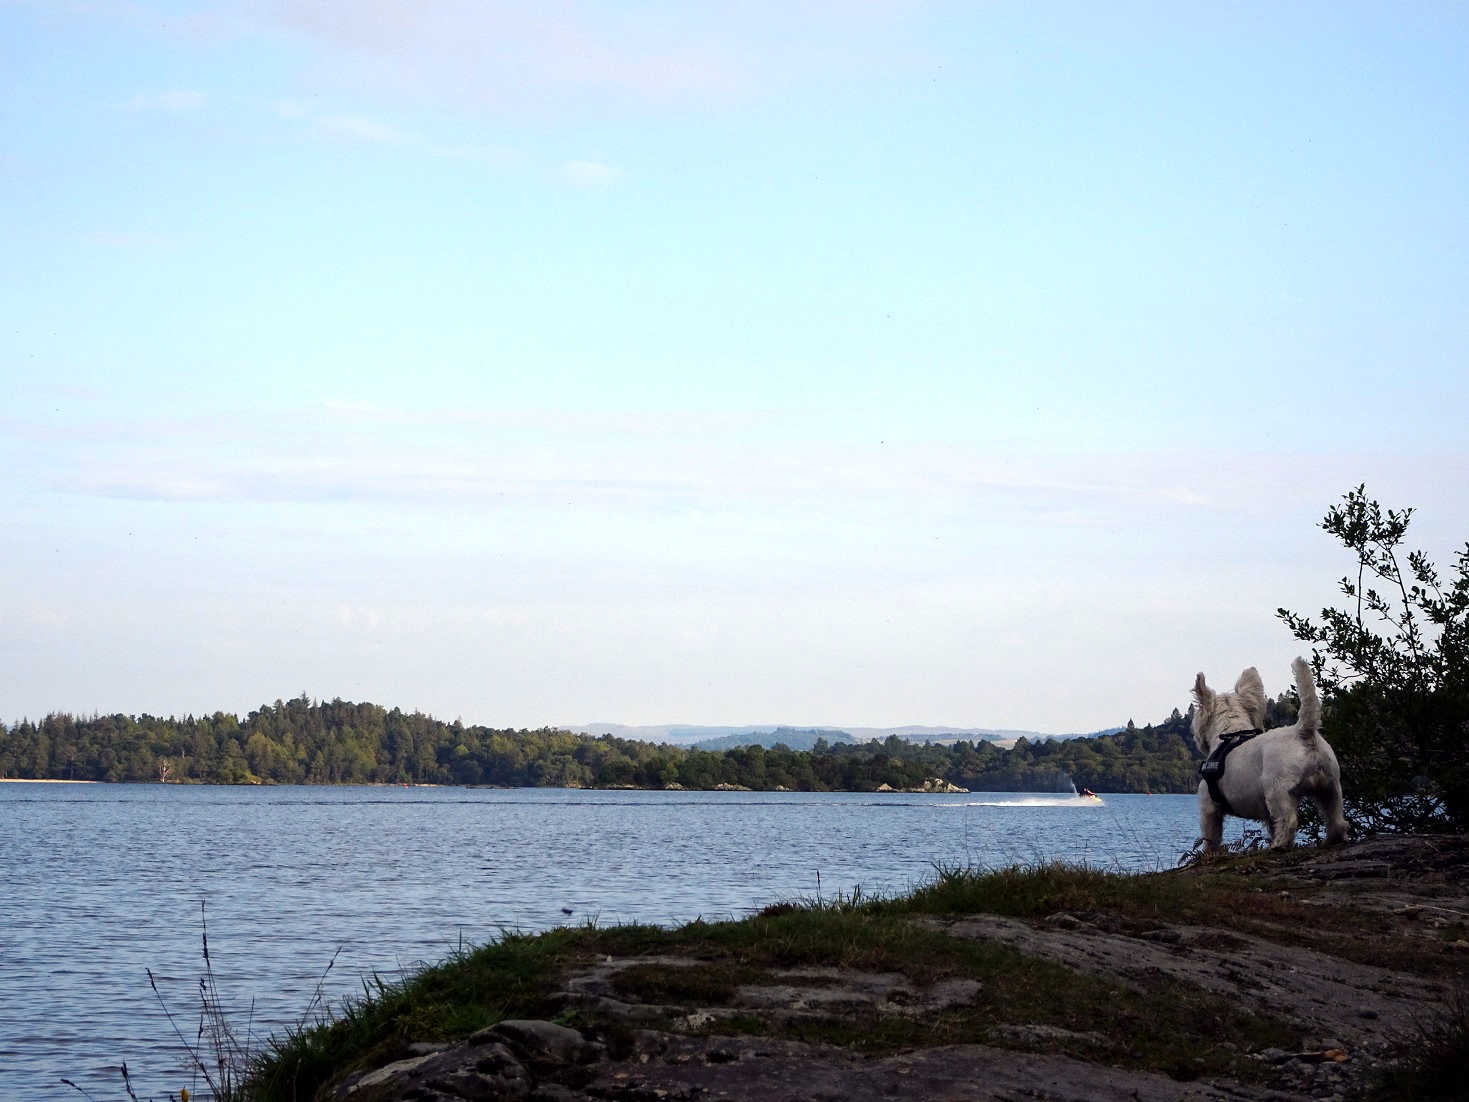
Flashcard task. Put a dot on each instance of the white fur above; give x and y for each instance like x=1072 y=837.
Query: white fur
x=1265 y=776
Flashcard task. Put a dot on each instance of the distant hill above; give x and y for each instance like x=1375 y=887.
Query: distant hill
x=674 y=734
x=795 y=738
x=947 y=736
x=758 y=734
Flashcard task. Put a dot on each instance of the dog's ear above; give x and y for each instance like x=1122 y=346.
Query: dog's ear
x=1251 y=692
x=1204 y=697
x=1202 y=693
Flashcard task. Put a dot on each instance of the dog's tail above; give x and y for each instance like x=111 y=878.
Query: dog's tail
x=1309 y=717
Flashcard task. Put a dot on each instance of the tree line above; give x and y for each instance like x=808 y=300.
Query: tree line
x=301 y=741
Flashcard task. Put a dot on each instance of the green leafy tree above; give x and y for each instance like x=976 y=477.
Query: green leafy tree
x=1391 y=667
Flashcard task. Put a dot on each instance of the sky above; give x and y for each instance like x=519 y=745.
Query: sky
x=870 y=363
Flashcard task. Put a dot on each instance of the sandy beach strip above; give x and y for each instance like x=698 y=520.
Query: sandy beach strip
x=42 y=780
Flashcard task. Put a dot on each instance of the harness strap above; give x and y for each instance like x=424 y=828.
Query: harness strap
x=1211 y=769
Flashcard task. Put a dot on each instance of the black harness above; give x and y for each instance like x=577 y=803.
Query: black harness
x=1211 y=769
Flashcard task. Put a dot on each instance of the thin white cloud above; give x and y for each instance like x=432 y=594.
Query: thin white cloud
x=698 y=423
x=574 y=468
x=177 y=102
x=131 y=239
x=365 y=128
x=589 y=175
x=498 y=53
x=207 y=23
x=361 y=128
x=421 y=484
x=498 y=155
x=559 y=54
x=732 y=464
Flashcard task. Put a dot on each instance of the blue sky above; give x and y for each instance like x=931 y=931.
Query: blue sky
x=842 y=363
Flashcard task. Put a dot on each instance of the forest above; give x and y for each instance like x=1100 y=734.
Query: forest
x=301 y=741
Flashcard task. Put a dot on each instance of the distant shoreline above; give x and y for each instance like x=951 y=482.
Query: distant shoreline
x=43 y=780
x=339 y=742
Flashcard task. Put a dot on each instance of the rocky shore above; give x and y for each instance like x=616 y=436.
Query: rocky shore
x=1281 y=977
x=933 y=784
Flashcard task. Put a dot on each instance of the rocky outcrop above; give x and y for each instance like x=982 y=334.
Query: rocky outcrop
x=762 y=1038
x=513 y=1059
x=933 y=784
x=938 y=784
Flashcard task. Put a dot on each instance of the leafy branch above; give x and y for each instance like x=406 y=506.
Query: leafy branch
x=1392 y=669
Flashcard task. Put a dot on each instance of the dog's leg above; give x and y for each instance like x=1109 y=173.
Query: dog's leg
x=1283 y=820
x=1336 y=823
x=1211 y=823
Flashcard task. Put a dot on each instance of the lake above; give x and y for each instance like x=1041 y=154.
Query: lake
x=105 y=881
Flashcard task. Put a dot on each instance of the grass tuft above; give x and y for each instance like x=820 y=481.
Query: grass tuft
x=1432 y=1063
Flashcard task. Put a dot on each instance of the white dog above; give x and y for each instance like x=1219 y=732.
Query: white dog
x=1264 y=773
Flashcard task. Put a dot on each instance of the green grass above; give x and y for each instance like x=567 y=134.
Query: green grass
x=508 y=978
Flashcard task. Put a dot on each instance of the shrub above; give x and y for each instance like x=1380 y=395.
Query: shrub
x=1391 y=670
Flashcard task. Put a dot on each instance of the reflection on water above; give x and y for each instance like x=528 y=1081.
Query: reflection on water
x=103 y=881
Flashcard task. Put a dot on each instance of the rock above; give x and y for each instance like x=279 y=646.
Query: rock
x=490 y=1073
x=383 y=1074
x=699 y=1019
x=936 y=784
x=1351 y=870
x=1166 y=936
x=555 y=1092
x=1063 y=920
x=1041 y=1036
x=476 y=1070
x=540 y=1042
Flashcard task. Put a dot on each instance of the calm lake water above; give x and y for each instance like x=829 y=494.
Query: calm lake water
x=104 y=881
